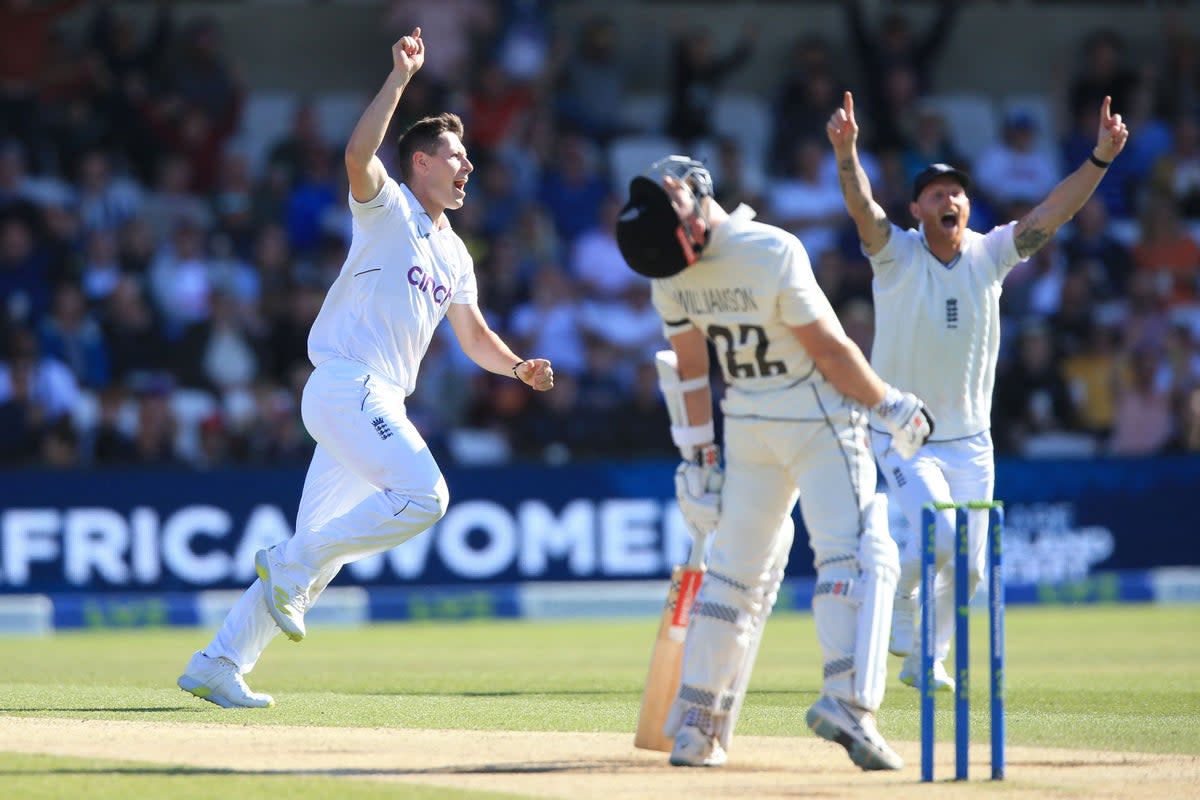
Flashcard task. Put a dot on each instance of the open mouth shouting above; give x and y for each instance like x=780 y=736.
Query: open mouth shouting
x=949 y=220
x=460 y=186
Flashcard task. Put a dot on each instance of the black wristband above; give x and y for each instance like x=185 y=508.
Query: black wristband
x=1098 y=162
x=519 y=363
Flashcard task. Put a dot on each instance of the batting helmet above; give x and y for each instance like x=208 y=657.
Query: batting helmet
x=650 y=235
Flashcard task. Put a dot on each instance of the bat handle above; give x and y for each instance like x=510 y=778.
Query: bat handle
x=699 y=549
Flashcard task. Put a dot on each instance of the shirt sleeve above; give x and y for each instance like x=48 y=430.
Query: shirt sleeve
x=1001 y=247
x=801 y=300
x=896 y=252
x=382 y=204
x=674 y=319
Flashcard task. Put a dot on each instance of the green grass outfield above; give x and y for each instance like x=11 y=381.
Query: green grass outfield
x=1090 y=677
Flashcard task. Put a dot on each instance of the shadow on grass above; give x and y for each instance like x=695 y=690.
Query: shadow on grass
x=466 y=769
x=101 y=709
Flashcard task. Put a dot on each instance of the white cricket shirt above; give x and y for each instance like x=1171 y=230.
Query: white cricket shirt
x=399 y=279
x=751 y=284
x=937 y=326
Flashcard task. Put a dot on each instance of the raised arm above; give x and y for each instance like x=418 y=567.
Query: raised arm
x=1035 y=228
x=869 y=217
x=363 y=167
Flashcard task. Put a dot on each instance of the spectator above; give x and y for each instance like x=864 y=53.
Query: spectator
x=1167 y=251
x=1143 y=424
x=33 y=377
x=71 y=335
x=133 y=332
x=172 y=203
x=738 y=179
x=1091 y=247
x=1013 y=169
x=803 y=203
x=591 y=81
x=697 y=72
x=496 y=106
x=201 y=79
x=180 y=282
x=101 y=267
x=1091 y=374
x=1176 y=173
x=111 y=440
x=106 y=202
x=596 y=262
x=645 y=429
x=896 y=65
x=232 y=203
x=25 y=45
x=130 y=67
x=297 y=148
x=629 y=323
x=24 y=284
x=220 y=353
x=549 y=322
x=1031 y=396
x=929 y=143
x=808 y=90
x=157 y=427
x=573 y=188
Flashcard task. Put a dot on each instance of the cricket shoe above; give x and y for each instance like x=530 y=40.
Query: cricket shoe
x=286 y=601
x=695 y=746
x=219 y=681
x=904 y=624
x=854 y=729
x=910 y=674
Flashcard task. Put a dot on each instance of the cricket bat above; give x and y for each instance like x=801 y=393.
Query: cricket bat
x=662 y=682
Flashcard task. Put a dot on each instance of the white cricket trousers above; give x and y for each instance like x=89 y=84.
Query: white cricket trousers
x=372 y=485
x=941 y=472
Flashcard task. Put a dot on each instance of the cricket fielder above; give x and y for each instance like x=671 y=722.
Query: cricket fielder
x=795 y=410
x=937 y=331
x=372 y=483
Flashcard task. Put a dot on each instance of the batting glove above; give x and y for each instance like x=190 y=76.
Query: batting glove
x=698 y=483
x=907 y=419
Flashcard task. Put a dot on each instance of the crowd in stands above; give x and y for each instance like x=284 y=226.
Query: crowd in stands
x=156 y=287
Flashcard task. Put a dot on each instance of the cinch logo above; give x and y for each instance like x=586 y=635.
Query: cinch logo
x=381 y=427
x=426 y=283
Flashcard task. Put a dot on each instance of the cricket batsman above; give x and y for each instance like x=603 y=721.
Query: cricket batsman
x=798 y=391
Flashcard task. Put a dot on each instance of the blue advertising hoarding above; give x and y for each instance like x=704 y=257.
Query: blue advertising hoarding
x=130 y=532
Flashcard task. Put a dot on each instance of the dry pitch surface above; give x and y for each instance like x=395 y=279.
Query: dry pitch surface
x=594 y=765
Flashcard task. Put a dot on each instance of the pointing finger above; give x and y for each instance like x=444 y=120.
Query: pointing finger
x=849 y=105
x=1105 y=108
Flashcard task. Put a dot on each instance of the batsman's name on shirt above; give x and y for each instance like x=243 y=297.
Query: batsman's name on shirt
x=709 y=301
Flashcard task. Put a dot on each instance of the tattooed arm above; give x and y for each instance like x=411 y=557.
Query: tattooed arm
x=869 y=217
x=1035 y=228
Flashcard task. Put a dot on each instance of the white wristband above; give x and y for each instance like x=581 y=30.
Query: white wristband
x=689 y=436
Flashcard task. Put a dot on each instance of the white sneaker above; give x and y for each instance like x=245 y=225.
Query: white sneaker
x=910 y=674
x=904 y=626
x=854 y=729
x=695 y=748
x=218 y=681
x=285 y=601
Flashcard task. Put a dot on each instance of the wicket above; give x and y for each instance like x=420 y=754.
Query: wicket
x=962 y=637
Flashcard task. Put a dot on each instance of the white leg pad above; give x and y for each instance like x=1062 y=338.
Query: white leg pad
x=879 y=559
x=722 y=629
x=852 y=607
x=741 y=681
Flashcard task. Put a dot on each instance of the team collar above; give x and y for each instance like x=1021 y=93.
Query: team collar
x=925 y=244
x=419 y=214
